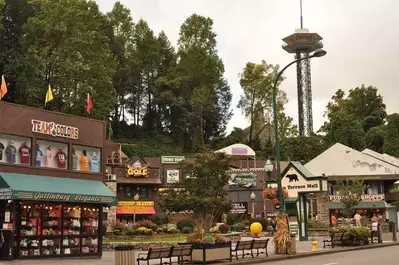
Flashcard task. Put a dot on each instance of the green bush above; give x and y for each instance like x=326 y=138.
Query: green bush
x=238 y=227
x=187 y=230
x=160 y=230
x=223 y=228
x=184 y=223
x=159 y=219
x=130 y=232
x=214 y=229
x=262 y=221
x=144 y=231
x=209 y=239
x=172 y=230
x=360 y=233
x=233 y=219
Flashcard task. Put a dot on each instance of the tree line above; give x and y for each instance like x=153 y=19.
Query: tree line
x=139 y=82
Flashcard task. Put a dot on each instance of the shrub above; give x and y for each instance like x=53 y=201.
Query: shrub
x=262 y=221
x=214 y=229
x=144 y=231
x=159 y=219
x=209 y=239
x=172 y=230
x=184 y=223
x=159 y=230
x=224 y=228
x=118 y=228
x=187 y=230
x=131 y=232
x=145 y=223
x=238 y=227
x=360 y=233
x=233 y=219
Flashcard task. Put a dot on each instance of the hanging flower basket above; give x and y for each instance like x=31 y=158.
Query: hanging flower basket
x=269 y=193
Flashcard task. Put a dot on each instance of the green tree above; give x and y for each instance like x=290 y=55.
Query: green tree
x=196 y=79
x=286 y=127
x=351 y=118
x=391 y=140
x=66 y=45
x=350 y=193
x=374 y=138
x=201 y=194
x=302 y=148
x=122 y=47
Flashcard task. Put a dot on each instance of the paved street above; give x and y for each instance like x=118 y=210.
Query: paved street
x=387 y=255
x=302 y=247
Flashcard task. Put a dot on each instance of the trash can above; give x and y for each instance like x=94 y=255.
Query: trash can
x=124 y=255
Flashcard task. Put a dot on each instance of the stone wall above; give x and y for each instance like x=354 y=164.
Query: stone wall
x=322 y=207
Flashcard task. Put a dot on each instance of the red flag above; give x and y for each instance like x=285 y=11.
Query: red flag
x=89 y=103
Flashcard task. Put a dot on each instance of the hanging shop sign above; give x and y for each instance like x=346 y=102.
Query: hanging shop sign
x=363 y=197
x=295 y=183
x=172 y=159
x=54 y=129
x=246 y=180
x=135 y=203
x=239 y=208
x=5 y=194
x=136 y=170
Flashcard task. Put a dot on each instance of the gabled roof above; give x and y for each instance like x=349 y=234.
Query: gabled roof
x=383 y=157
x=340 y=160
x=300 y=169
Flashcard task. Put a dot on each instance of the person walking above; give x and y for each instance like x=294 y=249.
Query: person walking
x=333 y=220
x=358 y=219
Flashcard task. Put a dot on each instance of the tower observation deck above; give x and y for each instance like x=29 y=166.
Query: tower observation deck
x=302 y=43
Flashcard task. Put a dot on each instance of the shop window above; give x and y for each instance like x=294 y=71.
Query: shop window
x=90 y=221
x=143 y=193
x=128 y=192
x=86 y=158
x=15 y=149
x=51 y=154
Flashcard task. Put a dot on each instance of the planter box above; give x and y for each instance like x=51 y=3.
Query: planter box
x=208 y=253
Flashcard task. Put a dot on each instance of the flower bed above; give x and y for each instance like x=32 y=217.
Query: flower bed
x=357 y=235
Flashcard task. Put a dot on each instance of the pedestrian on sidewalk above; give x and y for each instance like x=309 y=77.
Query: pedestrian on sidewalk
x=358 y=219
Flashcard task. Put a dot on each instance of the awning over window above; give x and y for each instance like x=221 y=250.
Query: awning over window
x=39 y=188
x=361 y=205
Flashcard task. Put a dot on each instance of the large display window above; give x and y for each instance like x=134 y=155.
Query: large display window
x=15 y=149
x=51 y=154
x=58 y=230
x=86 y=158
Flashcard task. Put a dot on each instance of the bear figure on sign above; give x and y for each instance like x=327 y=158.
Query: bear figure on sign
x=292 y=177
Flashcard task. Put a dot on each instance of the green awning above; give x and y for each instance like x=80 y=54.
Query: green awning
x=361 y=205
x=39 y=188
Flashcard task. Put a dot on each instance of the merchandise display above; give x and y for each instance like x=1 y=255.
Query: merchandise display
x=54 y=230
x=51 y=154
x=15 y=149
x=86 y=158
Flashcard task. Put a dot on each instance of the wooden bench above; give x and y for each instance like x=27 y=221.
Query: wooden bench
x=335 y=239
x=156 y=253
x=180 y=252
x=260 y=245
x=243 y=246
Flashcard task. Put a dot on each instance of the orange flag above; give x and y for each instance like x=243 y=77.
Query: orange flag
x=3 y=89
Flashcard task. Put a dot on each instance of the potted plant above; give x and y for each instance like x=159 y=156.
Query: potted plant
x=210 y=249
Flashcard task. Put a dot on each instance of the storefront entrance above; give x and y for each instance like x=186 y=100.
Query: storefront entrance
x=51 y=217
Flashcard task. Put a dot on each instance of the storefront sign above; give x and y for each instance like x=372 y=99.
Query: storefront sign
x=246 y=180
x=54 y=129
x=136 y=203
x=5 y=194
x=172 y=159
x=172 y=176
x=239 y=208
x=364 y=197
x=135 y=207
x=41 y=196
x=295 y=183
x=136 y=170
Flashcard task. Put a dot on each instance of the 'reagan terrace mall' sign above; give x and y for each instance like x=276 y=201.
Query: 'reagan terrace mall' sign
x=54 y=129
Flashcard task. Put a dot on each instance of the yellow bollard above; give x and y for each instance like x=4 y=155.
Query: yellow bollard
x=314 y=244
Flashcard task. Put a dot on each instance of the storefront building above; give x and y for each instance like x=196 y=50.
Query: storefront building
x=52 y=192
x=341 y=163
x=136 y=185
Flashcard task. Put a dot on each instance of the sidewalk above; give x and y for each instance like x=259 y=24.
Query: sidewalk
x=108 y=258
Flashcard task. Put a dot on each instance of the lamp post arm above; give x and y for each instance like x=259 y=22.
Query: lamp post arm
x=276 y=136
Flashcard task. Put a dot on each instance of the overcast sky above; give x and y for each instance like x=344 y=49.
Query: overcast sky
x=360 y=36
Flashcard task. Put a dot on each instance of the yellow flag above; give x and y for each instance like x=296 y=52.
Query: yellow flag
x=3 y=88
x=49 y=95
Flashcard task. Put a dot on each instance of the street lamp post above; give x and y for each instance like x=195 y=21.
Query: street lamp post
x=269 y=168
x=136 y=198
x=252 y=196
x=318 y=53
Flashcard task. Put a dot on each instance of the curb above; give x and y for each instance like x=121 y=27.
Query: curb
x=311 y=254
